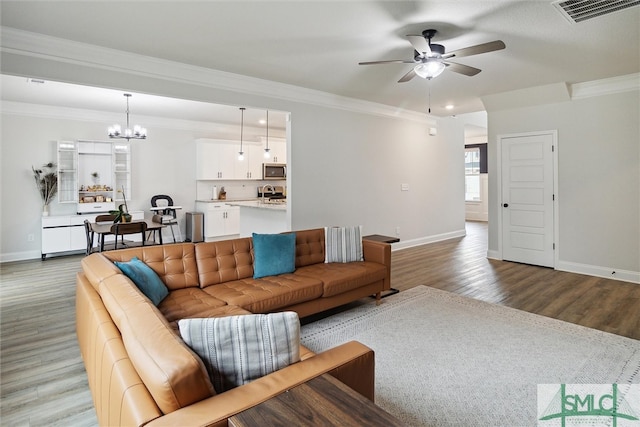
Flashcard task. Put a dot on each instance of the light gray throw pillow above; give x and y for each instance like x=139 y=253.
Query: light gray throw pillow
x=343 y=244
x=239 y=349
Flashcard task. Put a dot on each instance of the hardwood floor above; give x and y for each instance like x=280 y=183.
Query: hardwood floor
x=460 y=266
x=42 y=378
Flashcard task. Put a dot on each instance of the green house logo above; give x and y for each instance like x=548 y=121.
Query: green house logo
x=568 y=405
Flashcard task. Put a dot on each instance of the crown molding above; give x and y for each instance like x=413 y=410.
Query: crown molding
x=36 y=45
x=627 y=83
x=105 y=117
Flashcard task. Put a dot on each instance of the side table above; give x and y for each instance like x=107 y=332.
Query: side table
x=322 y=401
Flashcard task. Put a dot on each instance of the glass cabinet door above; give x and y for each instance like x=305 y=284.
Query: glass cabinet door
x=67 y=172
x=122 y=171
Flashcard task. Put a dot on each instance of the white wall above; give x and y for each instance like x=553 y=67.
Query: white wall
x=346 y=166
x=598 y=179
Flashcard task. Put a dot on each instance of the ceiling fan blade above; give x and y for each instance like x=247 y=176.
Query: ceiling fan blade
x=392 y=61
x=420 y=44
x=411 y=74
x=462 y=69
x=477 y=49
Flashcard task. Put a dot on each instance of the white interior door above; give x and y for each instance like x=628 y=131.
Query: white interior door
x=528 y=199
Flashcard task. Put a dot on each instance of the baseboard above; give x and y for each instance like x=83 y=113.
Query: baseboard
x=404 y=244
x=598 y=271
x=19 y=256
x=492 y=254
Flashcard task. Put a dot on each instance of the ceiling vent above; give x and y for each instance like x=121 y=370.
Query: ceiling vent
x=581 y=10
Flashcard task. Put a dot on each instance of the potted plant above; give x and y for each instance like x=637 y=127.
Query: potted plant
x=122 y=214
x=47 y=183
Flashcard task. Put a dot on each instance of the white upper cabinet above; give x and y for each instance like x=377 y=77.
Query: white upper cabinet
x=277 y=150
x=251 y=166
x=67 y=172
x=215 y=159
x=218 y=160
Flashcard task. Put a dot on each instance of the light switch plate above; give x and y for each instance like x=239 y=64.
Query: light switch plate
x=404 y=187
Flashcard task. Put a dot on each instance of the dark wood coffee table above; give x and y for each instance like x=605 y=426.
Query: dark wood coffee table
x=322 y=401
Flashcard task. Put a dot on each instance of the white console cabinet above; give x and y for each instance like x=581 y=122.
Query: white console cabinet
x=65 y=233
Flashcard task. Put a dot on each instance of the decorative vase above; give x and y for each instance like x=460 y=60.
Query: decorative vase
x=45 y=210
x=126 y=218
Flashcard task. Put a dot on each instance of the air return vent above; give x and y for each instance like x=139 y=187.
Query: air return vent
x=581 y=10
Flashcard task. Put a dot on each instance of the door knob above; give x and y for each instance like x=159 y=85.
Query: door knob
x=506 y=205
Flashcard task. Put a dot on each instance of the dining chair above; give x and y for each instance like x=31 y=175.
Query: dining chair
x=90 y=235
x=152 y=233
x=126 y=228
x=169 y=216
x=105 y=218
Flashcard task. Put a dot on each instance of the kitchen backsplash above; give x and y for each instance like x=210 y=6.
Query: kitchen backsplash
x=235 y=190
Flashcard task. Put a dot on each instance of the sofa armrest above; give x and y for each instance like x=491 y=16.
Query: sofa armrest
x=379 y=252
x=353 y=363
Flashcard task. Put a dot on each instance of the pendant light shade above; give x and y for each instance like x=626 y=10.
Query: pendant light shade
x=137 y=132
x=266 y=150
x=241 y=153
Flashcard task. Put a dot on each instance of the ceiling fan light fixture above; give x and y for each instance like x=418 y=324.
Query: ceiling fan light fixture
x=433 y=67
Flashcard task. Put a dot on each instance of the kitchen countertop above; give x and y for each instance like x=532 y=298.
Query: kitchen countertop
x=226 y=200
x=257 y=204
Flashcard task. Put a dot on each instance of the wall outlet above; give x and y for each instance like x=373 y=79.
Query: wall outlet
x=397 y=231
x=31 y=237
x=404 y=187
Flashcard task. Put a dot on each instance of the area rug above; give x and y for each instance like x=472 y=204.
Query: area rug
x=447 y=360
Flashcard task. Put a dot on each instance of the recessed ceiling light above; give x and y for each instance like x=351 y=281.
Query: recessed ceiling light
x=449 y=106
x=262 y=121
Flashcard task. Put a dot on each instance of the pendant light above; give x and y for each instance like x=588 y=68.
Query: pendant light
x=137 y=132
x=266 y=150
x=241 y=153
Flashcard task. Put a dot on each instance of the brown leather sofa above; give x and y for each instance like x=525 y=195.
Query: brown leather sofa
x=140 y=371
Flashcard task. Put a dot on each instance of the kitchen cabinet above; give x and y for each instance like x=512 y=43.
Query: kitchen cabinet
x=251 y=166
x=215 y=159
x=220 y=219
x=95 y=175
x=218 y=160
x=277 y=149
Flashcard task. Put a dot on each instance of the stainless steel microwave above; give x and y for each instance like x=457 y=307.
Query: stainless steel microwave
x=274 y=171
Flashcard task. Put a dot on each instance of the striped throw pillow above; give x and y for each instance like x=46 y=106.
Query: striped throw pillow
x=239 y=349
x=343 y=244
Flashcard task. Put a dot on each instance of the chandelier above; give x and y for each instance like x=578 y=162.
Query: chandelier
x=137 y=132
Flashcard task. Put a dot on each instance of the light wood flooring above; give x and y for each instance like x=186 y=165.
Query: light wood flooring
x=42 y=378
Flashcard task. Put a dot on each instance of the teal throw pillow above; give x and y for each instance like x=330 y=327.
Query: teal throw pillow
x=273 y=254
x=145 y=279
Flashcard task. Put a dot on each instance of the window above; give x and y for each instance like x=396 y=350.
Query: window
x=472 y=174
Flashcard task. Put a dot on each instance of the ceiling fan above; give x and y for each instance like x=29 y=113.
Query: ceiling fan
x=430 y=59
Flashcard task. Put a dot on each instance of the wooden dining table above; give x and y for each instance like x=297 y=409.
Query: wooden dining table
x=103 y=229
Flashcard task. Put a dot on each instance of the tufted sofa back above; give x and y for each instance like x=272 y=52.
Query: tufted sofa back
x=175 y=264
x=224 y=261
x=309 y=247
